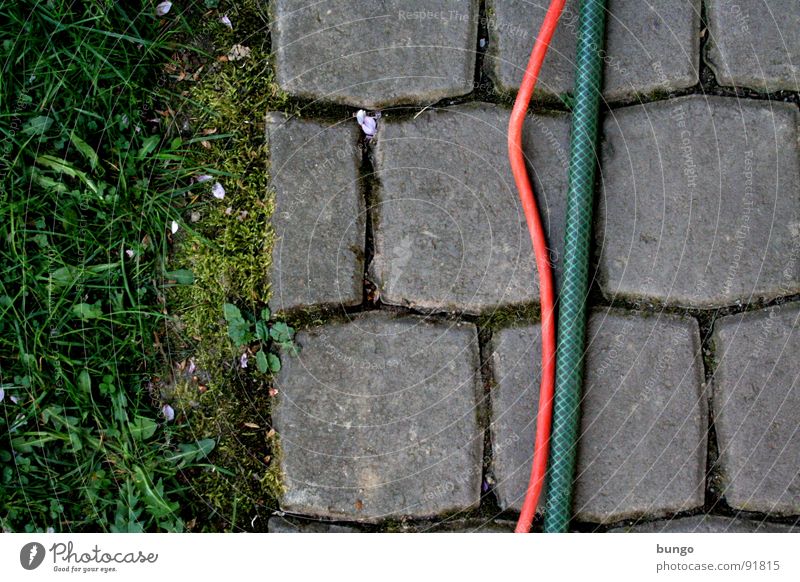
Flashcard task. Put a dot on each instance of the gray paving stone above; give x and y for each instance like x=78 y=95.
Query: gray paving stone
x=643 y=444
x=651 y=47
x=754 y=43
x=450 y=233
x=371 y=53
x=700 y=202
x=707 y=524
x=278 y=524
x=378 y=418
x=468 y=526
x=319 y=217
x=756 y=407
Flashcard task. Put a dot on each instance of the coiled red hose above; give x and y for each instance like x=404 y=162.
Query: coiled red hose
x=539 y=240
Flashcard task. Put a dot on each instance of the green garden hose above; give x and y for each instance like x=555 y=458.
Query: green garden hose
x=575 y=280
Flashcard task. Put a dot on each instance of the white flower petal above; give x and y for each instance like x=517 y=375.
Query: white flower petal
x=130 y=253
x=2 y=394
x=369 y=124
x=174 y=227
x=163 y=8
x=168 y=412
x=218 y=191
x=226 y=21
x=243 y=360
x=238 y=52
x=203 y=178
x=13 y=399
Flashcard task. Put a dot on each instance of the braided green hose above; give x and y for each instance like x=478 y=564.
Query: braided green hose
x=574 y=286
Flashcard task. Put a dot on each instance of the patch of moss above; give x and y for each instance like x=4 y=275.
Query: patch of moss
x=510 y=316
x=227 y=245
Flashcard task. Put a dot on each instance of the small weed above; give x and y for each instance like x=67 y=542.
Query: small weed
x=246 y=330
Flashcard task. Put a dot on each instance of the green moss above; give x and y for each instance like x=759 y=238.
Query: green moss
x=228 y=248
x=510 y=316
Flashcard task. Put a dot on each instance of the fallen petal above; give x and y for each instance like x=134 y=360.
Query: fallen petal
x=13 y=399
x=238 y=52
x=218 y=191
x=2 y=394
x=168 y=412
x=174 y=227
x=203 y=178
x=163 y=8
x=368 y=124
x=130 y=253
x=226 y=21
x=243 y=360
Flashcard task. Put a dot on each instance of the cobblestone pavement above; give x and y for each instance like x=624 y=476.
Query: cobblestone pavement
x=405 y=261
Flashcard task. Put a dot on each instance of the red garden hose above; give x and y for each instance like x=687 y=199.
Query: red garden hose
x=545 y=412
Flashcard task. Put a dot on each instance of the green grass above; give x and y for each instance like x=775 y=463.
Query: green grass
x=99 y=301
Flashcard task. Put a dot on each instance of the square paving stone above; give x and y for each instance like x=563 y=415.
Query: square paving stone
x=642 y=448
x=756 y=409
x=450 y=234
x=378 y=418
x=319 y=217
x=755 y=43
x=700 y=202
x=707 y=524
x=651 y=47
x=371 y=53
